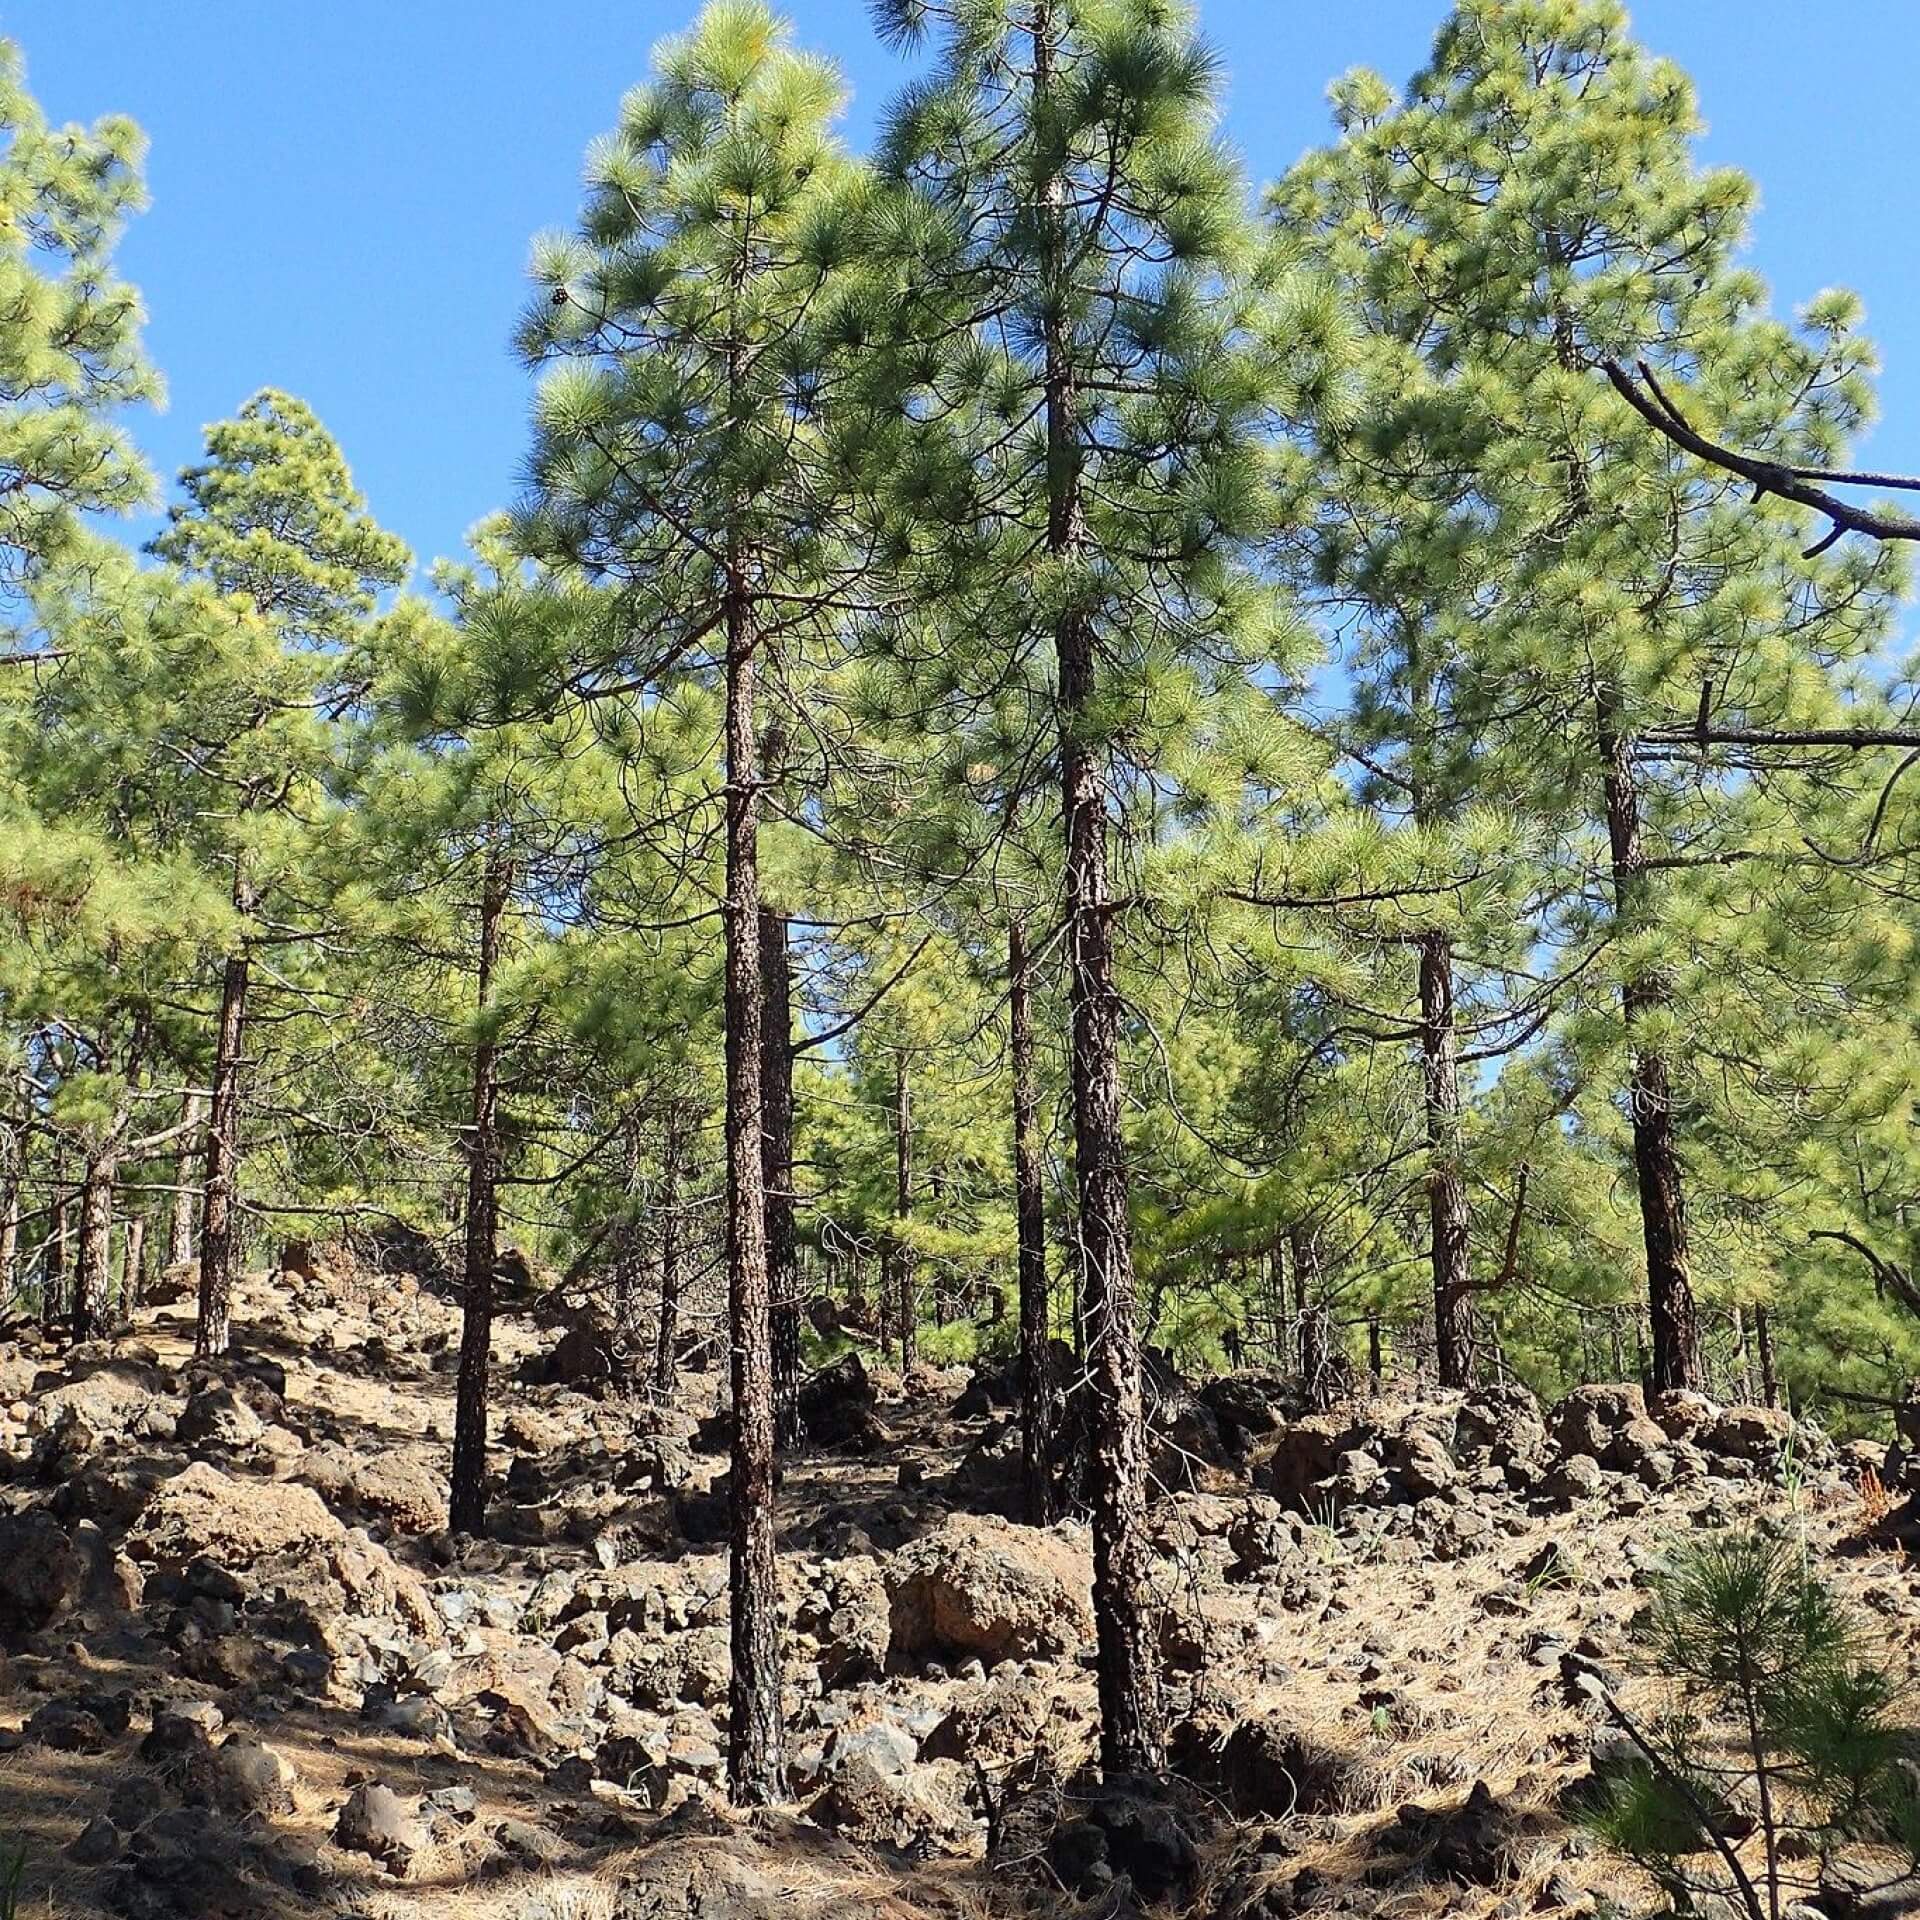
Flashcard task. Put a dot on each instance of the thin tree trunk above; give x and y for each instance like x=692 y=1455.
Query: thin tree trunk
x=133 y=1265
x=12 y=1168
x=185 y=1193
x=666 y=1346
x=1304 y=1245
x=907 y=1304
x=776 y=1158
x=1447 y=1213
x=467 y=1503
x=756 y=1760
x=1132 y=1719
x=92 y=1271
x=1030 y=1211
x=1673 y=1319
x=219 y=1211
x=1763 y=1339
x=53 y=1256
x=1277 y=1302
x=629 y=1259
x=1742 y=1359
x=1656 y=1155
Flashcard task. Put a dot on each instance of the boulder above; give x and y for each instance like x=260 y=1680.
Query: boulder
x=837 y=1404
x=204 y=1512
x=1499 y=1424
x=400 y=1488
x=1306 y=1452
x=217 y=1416
x=980 y=1585
x=1759 y=1435
x=374 y=1821
x=1590 y=1418
x=41 y=1572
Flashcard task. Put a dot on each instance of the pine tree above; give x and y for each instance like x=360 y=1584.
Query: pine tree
x=69 y=335
x=273 y=520
x=1116 y=397
x=683 y=326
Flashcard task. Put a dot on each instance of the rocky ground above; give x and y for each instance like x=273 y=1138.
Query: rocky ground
x=247 y=1673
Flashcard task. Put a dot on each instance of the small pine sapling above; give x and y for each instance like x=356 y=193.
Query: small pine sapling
x=1782 y=1744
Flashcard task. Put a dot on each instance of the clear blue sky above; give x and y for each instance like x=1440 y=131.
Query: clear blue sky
x=344 y=190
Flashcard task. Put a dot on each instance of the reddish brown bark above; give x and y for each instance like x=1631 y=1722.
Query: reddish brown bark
x=467 y=1503
x=776 y=1156
x=1447 y=1213
x=1030 y=1211
x=219 y=1210
x=756 y=1751
x=1672 y=1315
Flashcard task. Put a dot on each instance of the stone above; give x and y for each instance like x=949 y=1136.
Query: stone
x=1589 y=1418
x=253 y=1779
x=204 y=1512
x=374 y=1821
x=42 y=1573
x=1576 y=1478
x=217 y=1416
x=97 y=1843
x=980 y=1585
x=837 y=1404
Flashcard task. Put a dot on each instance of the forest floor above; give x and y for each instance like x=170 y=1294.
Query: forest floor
x=248 y=1674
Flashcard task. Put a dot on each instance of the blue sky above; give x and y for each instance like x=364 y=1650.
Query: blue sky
x=344 y=190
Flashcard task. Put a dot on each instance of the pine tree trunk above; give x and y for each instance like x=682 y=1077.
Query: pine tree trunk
x=1742 y=1359
x=12 y=1168
x=53 y=1255
x=186 y=1195
x=1446 y=1191
x=906 y=1302
x=1315 y=1375
x=93 y=1270
x=219 y=1210
x=1763 y=1340
x=467 y=1501
x=666 y=1346
x=776 y=1157
x=756 y=1763
x=629 y=1259
x=133 y=1266
x=1030 y=1211
x=1132 y=1719
x=1656 y=1154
